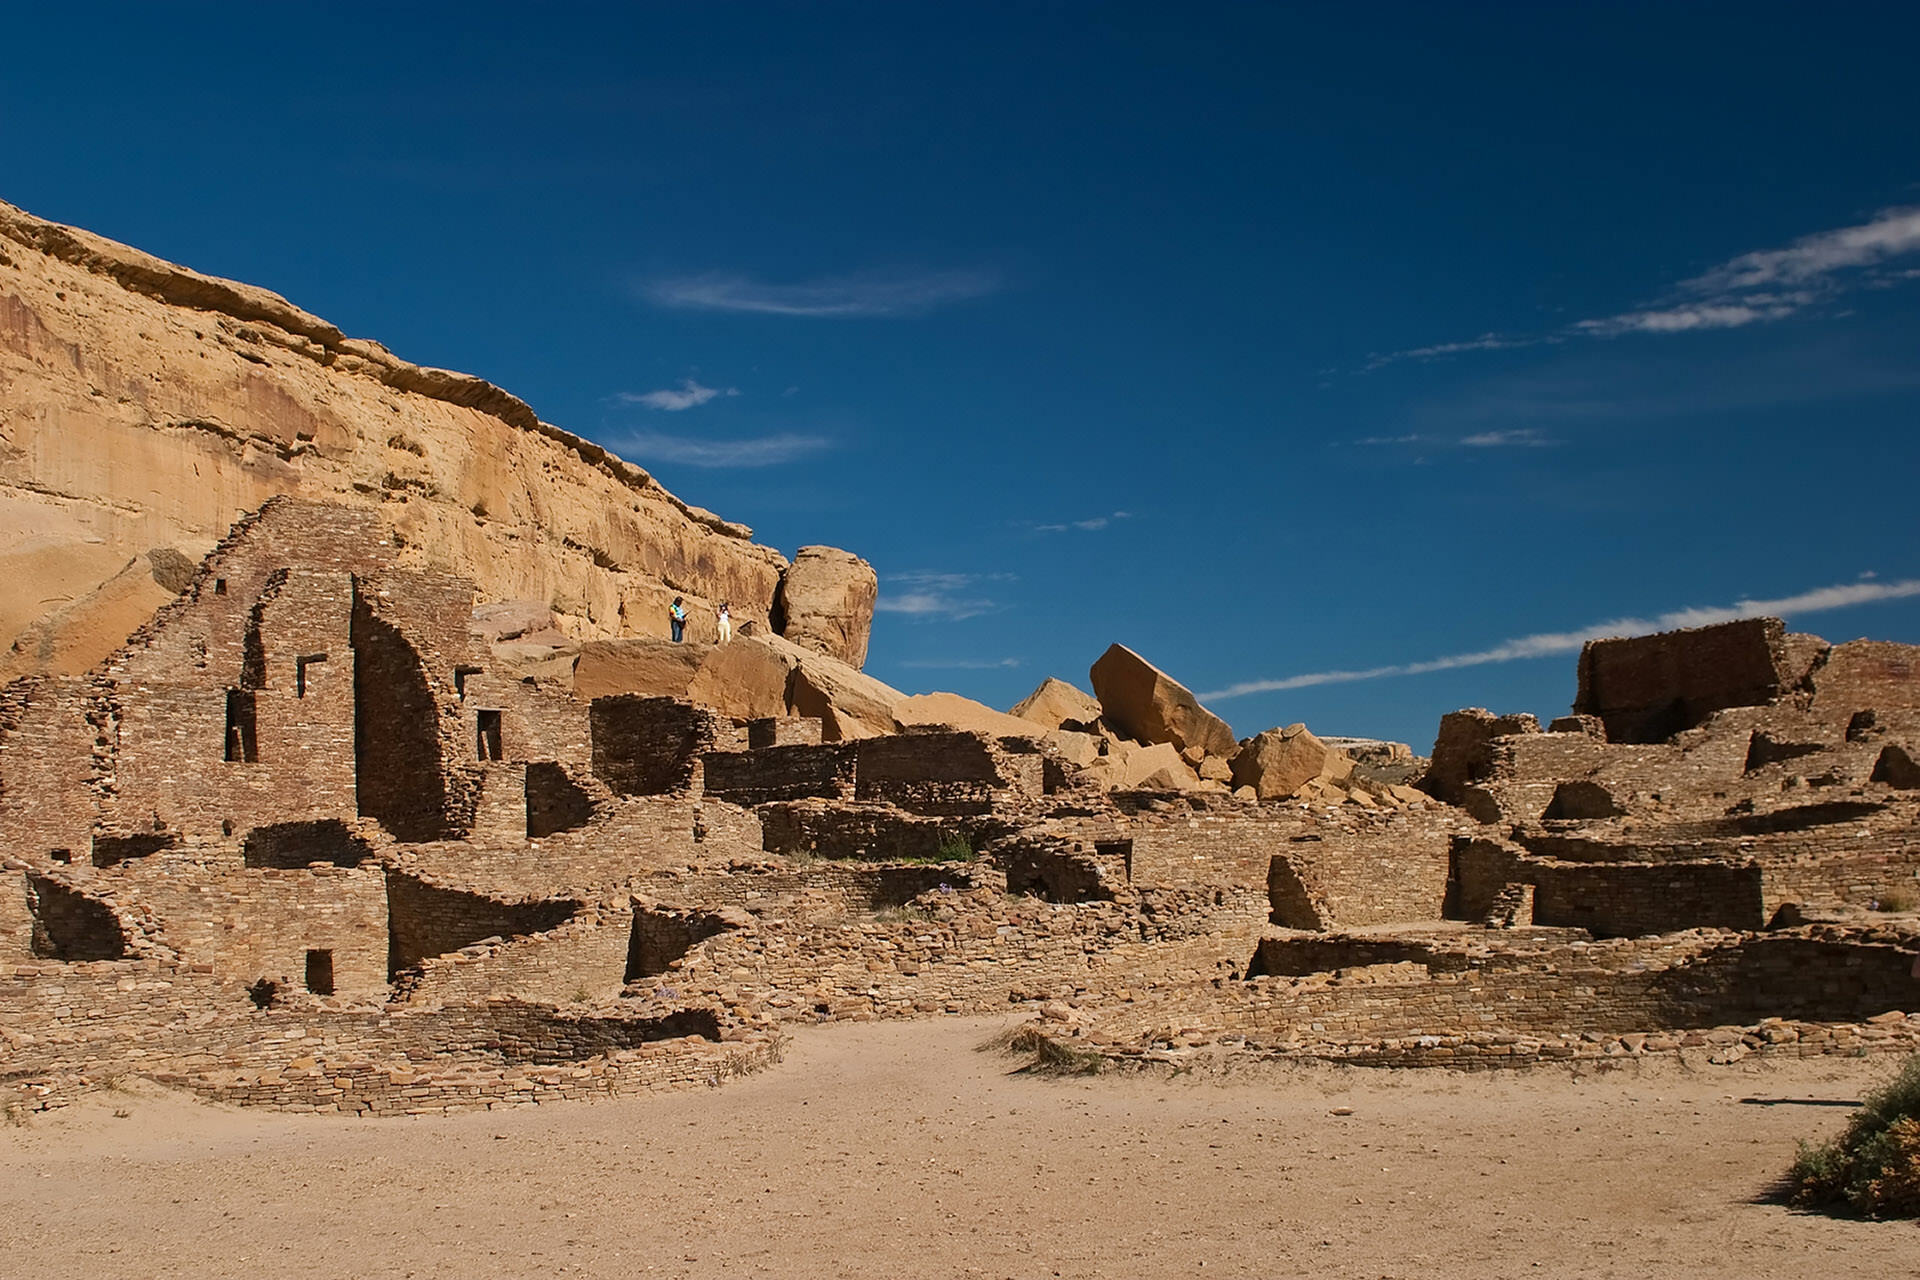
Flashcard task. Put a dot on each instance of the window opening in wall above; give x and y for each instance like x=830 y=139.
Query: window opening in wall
x=300 y=666
x=320 y=972
x=219 y=586
x=489 y=735
x=460 y=675
x=242 y=745
x=61 y=855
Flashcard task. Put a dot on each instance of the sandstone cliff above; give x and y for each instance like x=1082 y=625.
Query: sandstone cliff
x=145 y=407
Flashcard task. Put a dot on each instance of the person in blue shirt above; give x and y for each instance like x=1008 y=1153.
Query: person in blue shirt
x=677 y=619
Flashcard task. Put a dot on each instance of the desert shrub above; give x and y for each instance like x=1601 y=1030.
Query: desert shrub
x=1896 y=900
x=1052 y=1058
x=954 y=846
x=1873 y=1168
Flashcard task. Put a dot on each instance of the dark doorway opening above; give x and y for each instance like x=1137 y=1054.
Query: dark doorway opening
x=320 y=972
x=488 y=736
x=242 y=744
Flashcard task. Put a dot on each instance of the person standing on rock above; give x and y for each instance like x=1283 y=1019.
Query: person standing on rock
x=725 y=624
x=677 y=618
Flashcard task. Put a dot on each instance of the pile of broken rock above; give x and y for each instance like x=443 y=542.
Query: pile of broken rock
x=1144 y=730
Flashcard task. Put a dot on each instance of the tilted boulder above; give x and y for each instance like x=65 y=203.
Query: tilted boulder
x=1145 y=703
x=1279 y=762
x=1058 y=705
x=848 y=703
x=826 y=600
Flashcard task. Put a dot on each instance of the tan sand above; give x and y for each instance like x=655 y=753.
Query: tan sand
x=897 y=1151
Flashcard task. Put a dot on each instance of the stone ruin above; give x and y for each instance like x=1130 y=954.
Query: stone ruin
x=309 y=840
x=400 y=801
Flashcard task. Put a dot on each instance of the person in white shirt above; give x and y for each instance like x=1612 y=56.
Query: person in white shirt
x=725 y=624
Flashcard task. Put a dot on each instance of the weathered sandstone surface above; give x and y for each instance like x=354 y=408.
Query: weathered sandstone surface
x=826 y=602
x=1279 y=762
x=145 y=407
x=1147 y=704
x=1058 y=705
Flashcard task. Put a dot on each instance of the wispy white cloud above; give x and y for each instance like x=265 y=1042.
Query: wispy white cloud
x=1755 y=288
x=867 y=294
x=952 y=596
x=1092 y=524
x=1815 y=259
x=706 y=451
x=963 y=664
x=688 y=395
x=1520 y=438
x=1544 y=644
x=1523 y=438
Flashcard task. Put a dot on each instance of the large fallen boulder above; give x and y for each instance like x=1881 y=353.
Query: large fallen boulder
x=1145 y=703
x=747 y=678
x=848 y=703
x=1281 y=762
x=826 y=603
x=1058 y=705
x=1130 y=766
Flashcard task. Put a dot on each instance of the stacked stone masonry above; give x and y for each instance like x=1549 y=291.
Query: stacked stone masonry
x=302 y=843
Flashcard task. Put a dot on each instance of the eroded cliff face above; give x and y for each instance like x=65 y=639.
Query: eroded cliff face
x=145 y=407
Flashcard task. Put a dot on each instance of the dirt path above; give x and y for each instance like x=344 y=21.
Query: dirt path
x=897 y=1151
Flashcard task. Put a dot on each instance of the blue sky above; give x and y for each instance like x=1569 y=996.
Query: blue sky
x=1373 y=342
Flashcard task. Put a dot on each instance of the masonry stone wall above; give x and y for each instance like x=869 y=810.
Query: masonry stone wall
x=1867 y=674
x=650 y=746
x=50 y=729
x=582 y=959
x=252 y=923
x=1648 y=688
x=781 y=773
x=427 y=920
x=848 y=829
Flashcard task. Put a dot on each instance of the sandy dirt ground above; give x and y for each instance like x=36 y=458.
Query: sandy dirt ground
x=897 y=1150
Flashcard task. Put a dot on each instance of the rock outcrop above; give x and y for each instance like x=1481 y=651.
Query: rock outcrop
x=826 y=603
x=147 y=406
x=1145 y=703
x=956 y=712
x=1058 y=705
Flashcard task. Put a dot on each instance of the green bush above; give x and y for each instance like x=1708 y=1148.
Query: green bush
x=1874 y=1167
x=954 y=846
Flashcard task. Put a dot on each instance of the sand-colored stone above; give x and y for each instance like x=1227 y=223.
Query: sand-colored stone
x=1057 y=704
x=1145 y=703
x=956 y=712
x=849 y=704
x=826 y=600
x=147 y=406
x=1280 y=762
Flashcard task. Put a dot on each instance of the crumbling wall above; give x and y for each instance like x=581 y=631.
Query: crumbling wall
x=427 y=920
x=397 y=733
x=252 y=923
x=70 y=924
x=1609 y=899
x=582 y=959
x=650 y=746
x=1648 y=688
x=944 y=772
x=782 y=773
x=1867 y=674
x=50 y=729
